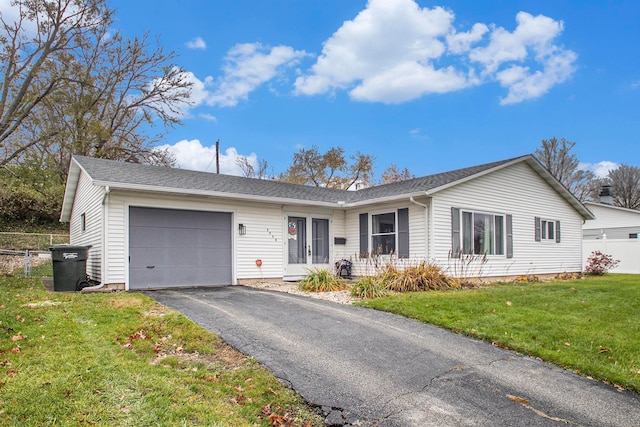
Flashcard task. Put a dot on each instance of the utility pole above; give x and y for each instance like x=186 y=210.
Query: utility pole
x=217 y=156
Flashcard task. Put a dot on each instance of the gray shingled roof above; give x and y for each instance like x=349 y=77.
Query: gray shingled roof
x=120 y=174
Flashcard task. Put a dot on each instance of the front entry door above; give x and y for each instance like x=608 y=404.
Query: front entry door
x=307 y=245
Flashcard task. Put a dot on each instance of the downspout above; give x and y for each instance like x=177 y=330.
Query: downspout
x=103 y=237
x=426 y=224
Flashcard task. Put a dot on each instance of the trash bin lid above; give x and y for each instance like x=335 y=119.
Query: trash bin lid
x=69 y=247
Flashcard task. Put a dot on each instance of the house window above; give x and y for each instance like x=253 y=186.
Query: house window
x=83 y=222
x=482 y=233
x=389 y=233
x=633 y=235
x=547 y=230
x=383 y=233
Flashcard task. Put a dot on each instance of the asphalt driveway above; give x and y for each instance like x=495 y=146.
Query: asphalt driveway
x=369 y=368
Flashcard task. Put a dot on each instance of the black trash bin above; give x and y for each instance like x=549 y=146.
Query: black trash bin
x=69 y=267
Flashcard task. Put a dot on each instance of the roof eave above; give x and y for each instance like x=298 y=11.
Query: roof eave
x=561 y=189
x=219 y=194
x=540 y=170
x=73 y=177
x=387 y=199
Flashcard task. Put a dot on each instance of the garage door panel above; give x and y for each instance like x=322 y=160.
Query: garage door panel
x=174 y=258
x=166 y=218
x=170 y=248
x=178 y=237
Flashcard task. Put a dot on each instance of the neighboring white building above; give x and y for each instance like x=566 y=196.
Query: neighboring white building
x=614 y=231
x=152 y=226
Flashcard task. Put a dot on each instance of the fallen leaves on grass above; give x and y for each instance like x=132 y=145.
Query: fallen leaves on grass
x=240 y=400
x=277 y=419
x=19 y=337
x=139 y=335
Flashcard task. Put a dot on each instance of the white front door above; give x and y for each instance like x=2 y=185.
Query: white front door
x=307 y=245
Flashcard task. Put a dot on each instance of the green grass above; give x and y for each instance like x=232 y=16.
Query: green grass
x=591 y=326
x=123 y=359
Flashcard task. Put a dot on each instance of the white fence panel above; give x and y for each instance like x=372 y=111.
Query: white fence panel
x=627 y=251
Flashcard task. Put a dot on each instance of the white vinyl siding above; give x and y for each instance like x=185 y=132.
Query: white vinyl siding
x=522 y=193
x=264 y=238
x=339 y=231
x=88 y=203
x=264 y=241
x=417 y=234
x=612 y=222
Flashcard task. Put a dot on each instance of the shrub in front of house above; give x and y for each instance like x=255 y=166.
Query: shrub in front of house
x=369 y=287
x=321 y=280
x=599 y=263
x=411 y=278
x=421 y=277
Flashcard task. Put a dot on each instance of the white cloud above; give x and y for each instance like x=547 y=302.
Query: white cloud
x=387 y=52
x=199 y=91
x=461 y=42
x=532 y=41
x=600 y=169
x=197 y=43
x=248 y=66
x=392 y=50
x=192 y=155
x=208 y=117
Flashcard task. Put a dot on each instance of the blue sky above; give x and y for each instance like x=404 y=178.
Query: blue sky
x=430 y=86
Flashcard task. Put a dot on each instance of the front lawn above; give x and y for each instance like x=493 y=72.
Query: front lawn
x=591 y=325
x=122 y=359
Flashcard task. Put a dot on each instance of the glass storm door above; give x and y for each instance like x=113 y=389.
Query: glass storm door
x=307 y=244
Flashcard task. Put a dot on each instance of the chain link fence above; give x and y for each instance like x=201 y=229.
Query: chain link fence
x=20 y=253
x=31 y=241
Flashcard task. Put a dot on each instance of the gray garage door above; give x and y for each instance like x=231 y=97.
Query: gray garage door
x=171 y=248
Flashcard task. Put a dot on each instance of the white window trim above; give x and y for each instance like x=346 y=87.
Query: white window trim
x=544 y=235
x=395 y=232
x=504 y=232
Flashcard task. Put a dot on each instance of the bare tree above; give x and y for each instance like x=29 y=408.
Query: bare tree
x=72 y=86
x=625 y=186
x=393 y=174
x=249 y=170
x=42 y=33
x=556 y=156
x=331 y=169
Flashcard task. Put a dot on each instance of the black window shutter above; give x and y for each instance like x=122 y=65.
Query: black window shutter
x=364 y=234
x=455 y=233
x=538 y=230
x=509 y=236
x=403 y=233
x=557 y=231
